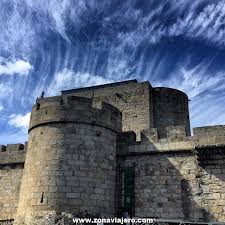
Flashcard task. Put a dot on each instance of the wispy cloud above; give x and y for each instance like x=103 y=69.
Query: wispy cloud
x=19 y=121
x=194 y=80
x=67 y=79
x=200 y=20
x=128 y=24
x=207 y=110
x=5 y=90
x=195 y=83
x=82 y=43
x=20 y=67
x=1 y=107
x=205 y=90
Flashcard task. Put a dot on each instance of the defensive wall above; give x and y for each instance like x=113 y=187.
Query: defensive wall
x=142 y=105
x=12 y=158
x=78 y=147
x=179 y=177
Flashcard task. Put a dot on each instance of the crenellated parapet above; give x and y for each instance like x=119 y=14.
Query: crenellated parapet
x=12 y=159
x=209 y=135
x=78 y=160
x=204 y=138
x=176 y=140
x=73 y=109
x=12 y=154
x=210 y=145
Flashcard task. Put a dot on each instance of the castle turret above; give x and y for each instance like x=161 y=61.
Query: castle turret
x=170 y=108
x=71 y=160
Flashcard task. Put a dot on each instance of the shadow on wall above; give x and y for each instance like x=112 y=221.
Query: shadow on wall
x=168 y=184
x=211 y=159
x=212 y=173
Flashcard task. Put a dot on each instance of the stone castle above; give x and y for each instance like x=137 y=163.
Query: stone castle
x=114 y=148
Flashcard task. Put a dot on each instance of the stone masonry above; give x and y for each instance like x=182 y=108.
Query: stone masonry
x=111 y=148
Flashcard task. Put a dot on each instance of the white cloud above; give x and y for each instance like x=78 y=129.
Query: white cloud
x=1 y=107
x=206 y=24
x=67 y=79
x=17 y=34
x=195 y=81
x=19 y=121
x=207 y=110
x=20 y=67
x=206 y=91
x=5 y=90
x=199 y=20
x=196 y=20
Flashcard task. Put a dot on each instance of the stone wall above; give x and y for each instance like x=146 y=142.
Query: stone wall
x=71 y=160
x=12 y=159
x=207 y=131
x=209 y=135
x=132 y=99
x=76 y=143
x=9 y=192
x=175 y=177
x=166 y=186
x=170 y=108
x=142 y=106
x=212 y=180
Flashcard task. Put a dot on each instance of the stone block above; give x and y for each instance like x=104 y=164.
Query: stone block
x=72 y=195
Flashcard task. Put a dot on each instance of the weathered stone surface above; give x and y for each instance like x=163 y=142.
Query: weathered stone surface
x=75 y=155
x=131 y=98
x=12 y=159
x=76 y=148
x=170 y=108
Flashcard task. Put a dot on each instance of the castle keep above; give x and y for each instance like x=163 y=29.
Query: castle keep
x=114 y=148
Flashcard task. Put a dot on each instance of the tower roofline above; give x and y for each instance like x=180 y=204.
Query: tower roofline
x=99 y=86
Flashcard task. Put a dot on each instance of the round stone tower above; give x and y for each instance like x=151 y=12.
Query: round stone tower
x=170 y=108
x=71 y=160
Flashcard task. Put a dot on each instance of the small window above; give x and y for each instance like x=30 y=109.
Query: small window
x=3 y=148
x=37 y=106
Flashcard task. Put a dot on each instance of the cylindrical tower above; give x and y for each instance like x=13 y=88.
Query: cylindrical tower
x=170 y=108
x=71 y=160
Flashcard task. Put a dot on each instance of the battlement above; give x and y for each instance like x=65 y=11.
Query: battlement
x=64 y=109
x=83 y=144
x=218 y=130
x=209 y=135
x=173 y=134
x=176 y=140
x=12 y=154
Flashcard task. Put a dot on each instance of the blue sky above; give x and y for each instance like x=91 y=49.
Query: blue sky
x=60 y=44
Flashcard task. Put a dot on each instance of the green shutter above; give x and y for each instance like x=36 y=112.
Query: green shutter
x=127 y=188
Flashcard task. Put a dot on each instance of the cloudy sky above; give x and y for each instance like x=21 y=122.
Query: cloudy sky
x=60 y=44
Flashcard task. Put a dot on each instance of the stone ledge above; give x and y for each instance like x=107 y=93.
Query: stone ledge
x=12 y=154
